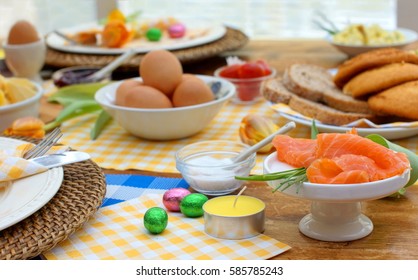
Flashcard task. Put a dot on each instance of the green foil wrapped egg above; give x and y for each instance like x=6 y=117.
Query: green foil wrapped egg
x=191 y=205
x=155 y=220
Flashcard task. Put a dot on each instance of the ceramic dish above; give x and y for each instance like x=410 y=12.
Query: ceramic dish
x=28 y=107
x=202 y=33
x=165 y=123
x=352 y=50
x=336 y=208
x=21 y=198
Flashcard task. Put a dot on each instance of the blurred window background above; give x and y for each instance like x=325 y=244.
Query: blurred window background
x=259 y=19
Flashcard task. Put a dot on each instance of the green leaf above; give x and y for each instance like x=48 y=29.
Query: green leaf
x=76 y=109
x=314 y=130
x=68 y=94
x=413 y=158
x=102 y=121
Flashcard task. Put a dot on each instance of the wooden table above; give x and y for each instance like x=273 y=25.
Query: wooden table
x=395 y=234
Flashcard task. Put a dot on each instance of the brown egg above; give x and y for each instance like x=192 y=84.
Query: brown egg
x=143 y=96
x=22 y=32
x=192 y=91
x=162 y=70
x=187 y=76
x=123 y=88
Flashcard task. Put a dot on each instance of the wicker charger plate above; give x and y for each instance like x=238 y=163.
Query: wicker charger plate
x=233 y=39
x=80 y=195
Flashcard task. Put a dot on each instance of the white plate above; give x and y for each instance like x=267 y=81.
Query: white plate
x=22 y=198
x=389 y=133
x=352 y=50
x=211 y=33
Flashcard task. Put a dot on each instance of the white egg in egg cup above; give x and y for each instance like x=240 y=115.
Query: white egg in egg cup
x=336 y=214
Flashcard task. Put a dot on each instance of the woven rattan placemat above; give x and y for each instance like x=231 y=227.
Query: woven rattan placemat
x=233 y=39
x=80 y=195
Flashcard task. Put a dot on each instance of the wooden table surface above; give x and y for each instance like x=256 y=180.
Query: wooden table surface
x=395 y=234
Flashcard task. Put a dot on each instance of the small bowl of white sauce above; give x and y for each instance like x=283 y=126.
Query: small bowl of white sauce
x=208 y=166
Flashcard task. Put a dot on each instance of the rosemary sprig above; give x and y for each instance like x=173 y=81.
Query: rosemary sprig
x=324 y=23
x=285 y=178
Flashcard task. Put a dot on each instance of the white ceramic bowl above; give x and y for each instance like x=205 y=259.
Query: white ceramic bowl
x=26 y=108
x=165 y=124
x=353 y=50
x=336 y=208
x=207 y=166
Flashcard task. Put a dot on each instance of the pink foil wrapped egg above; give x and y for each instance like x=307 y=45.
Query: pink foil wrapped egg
x=173 y=197
x=176 y=30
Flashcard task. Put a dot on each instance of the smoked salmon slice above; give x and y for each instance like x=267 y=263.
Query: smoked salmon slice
x=297 y=152
x=336 y=158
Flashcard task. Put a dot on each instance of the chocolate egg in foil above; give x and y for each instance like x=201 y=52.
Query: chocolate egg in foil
x=173 y=197
x=155 y=220
x=191 y=205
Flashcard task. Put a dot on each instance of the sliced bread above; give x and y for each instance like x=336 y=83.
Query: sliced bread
x=307 y=80
x=323 y=113
x=368 y=60
x=315 y=83
x=274 y=91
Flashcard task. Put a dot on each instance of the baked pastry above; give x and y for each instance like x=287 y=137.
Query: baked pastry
x=381 y=78
x=400 y=101
x=368 y=60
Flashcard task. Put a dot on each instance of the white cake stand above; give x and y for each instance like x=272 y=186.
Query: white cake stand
x=336 y=208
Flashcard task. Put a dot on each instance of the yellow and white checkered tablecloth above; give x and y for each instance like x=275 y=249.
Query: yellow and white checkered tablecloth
x=116 y=149
x=117 y=232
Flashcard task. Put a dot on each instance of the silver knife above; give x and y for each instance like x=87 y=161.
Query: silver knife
x=60 y=159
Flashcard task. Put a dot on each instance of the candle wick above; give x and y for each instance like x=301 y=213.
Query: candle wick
x=235 y=201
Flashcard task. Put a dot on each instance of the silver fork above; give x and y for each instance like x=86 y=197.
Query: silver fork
x=43 y=147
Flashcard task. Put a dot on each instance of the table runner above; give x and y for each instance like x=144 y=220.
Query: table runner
x=116 y=149
x=117 y=232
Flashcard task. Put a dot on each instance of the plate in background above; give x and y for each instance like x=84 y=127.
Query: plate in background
x=202 y=32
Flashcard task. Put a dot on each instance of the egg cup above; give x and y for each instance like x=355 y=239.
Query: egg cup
x=26 y=60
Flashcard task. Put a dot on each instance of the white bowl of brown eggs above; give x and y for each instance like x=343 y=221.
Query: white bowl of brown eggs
x=164 y=103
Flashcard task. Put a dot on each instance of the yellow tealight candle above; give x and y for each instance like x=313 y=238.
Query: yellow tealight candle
x=224 y=206
x=234 y=216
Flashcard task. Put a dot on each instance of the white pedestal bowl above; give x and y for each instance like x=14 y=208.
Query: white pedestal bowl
x=336 y=208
